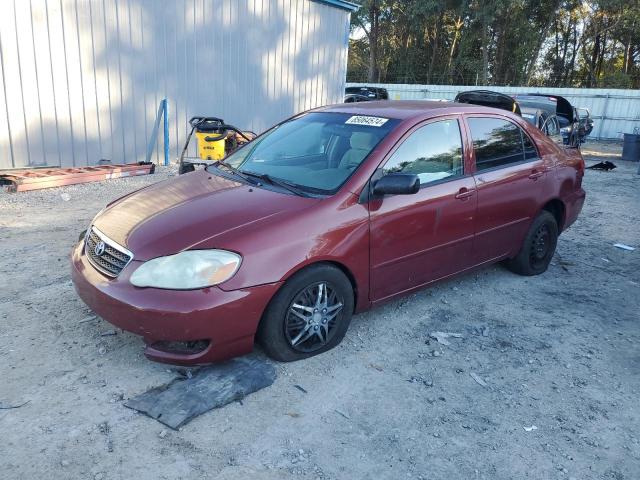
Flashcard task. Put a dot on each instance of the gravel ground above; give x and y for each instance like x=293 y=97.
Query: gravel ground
x=559 y=352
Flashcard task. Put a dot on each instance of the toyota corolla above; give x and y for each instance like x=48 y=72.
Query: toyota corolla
x=325 y=215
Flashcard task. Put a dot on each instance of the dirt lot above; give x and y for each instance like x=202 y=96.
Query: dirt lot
x=560 y=351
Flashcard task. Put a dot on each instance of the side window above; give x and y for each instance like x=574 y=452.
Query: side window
x=432 y=152
x=496 y=142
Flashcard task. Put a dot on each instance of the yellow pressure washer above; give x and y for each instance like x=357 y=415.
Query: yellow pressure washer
x=216 y=139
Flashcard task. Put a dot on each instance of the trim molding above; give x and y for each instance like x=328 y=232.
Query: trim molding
x=341 y=4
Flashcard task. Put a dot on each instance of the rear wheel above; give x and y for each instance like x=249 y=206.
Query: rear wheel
x=538 y=247
x=309 y=315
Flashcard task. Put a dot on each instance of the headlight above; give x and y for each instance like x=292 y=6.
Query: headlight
x=187 y=270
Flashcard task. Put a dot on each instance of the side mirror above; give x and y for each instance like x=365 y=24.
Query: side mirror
x=397 y=184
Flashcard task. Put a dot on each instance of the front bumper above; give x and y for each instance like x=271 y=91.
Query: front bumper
x=226 y=319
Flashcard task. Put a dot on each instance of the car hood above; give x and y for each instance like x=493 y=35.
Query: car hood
x=190 y=211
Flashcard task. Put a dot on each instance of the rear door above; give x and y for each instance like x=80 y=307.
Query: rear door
x=509 y=175
x=419 y=238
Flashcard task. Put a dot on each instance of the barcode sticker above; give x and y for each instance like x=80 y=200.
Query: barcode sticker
x=368 y=121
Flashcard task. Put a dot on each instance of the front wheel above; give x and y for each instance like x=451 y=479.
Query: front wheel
x=538 y=247
x=309 y=315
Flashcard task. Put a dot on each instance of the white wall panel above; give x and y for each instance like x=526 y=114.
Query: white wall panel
x=82 y=79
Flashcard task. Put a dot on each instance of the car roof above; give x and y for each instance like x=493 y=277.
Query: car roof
x=407 y=109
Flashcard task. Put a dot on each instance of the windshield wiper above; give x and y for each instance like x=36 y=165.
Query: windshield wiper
x=235 y=171
x=279 y=182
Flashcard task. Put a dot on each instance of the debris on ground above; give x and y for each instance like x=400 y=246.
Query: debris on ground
x=530 y=429
x=441 y=337
x=301 y=389
x=478 y=379
x=342 y=414
x=606 y=166
x=184 y=372
x=88 y=319
x=622 y=246
x=11 y=407
x=180 y=401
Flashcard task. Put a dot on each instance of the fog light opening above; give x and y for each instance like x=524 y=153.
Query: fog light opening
x=182 y=348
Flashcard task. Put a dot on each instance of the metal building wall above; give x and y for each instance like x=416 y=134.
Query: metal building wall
x=82 y=79
x=614 y=111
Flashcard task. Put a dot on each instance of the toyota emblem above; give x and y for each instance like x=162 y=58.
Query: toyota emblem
x=99 y=249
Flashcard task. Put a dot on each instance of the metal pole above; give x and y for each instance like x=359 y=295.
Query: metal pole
x=604 y=117
x=154 y=133
x=165 y=111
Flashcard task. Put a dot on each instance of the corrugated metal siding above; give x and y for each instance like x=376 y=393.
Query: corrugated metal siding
x=614 y=111
x=82 y=79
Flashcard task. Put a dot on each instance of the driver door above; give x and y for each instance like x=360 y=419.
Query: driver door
x=419 y=238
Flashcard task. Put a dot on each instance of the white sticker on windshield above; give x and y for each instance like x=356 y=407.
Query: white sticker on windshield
x=368 y=121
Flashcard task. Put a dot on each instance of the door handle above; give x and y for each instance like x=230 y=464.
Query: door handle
x=535 y=175
x=464 y=193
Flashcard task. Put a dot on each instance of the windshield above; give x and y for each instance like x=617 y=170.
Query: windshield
x=316 y=152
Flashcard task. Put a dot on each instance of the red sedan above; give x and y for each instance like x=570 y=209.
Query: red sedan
x=325 y=215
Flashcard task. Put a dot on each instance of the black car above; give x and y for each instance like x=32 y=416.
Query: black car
x=586 y=122
x=372 y=93
x=354 y=97
x=544 y=120
x=541 y=111
x=487 y=98
x=561 y=107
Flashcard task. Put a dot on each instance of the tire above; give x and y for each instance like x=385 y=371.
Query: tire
x=289 y=333
x=538 y=247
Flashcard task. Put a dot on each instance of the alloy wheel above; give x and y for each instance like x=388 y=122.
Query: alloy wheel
x=312 y=317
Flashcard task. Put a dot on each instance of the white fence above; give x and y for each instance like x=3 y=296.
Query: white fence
x=614 y=112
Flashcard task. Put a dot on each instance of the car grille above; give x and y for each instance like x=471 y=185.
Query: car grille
x=110 y=258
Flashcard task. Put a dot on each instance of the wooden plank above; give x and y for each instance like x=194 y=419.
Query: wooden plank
x=25 y=180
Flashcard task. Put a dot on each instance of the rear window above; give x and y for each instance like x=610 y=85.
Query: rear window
x=499 y=143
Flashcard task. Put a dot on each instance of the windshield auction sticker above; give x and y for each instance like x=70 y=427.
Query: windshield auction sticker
x=368 y=121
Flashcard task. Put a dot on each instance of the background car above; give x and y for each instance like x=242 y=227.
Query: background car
x=373 y=93
x=489 y=98
x=546 y=121
x=538 y=112
x=356 y=97
x=559 y=106
x=586 y=122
